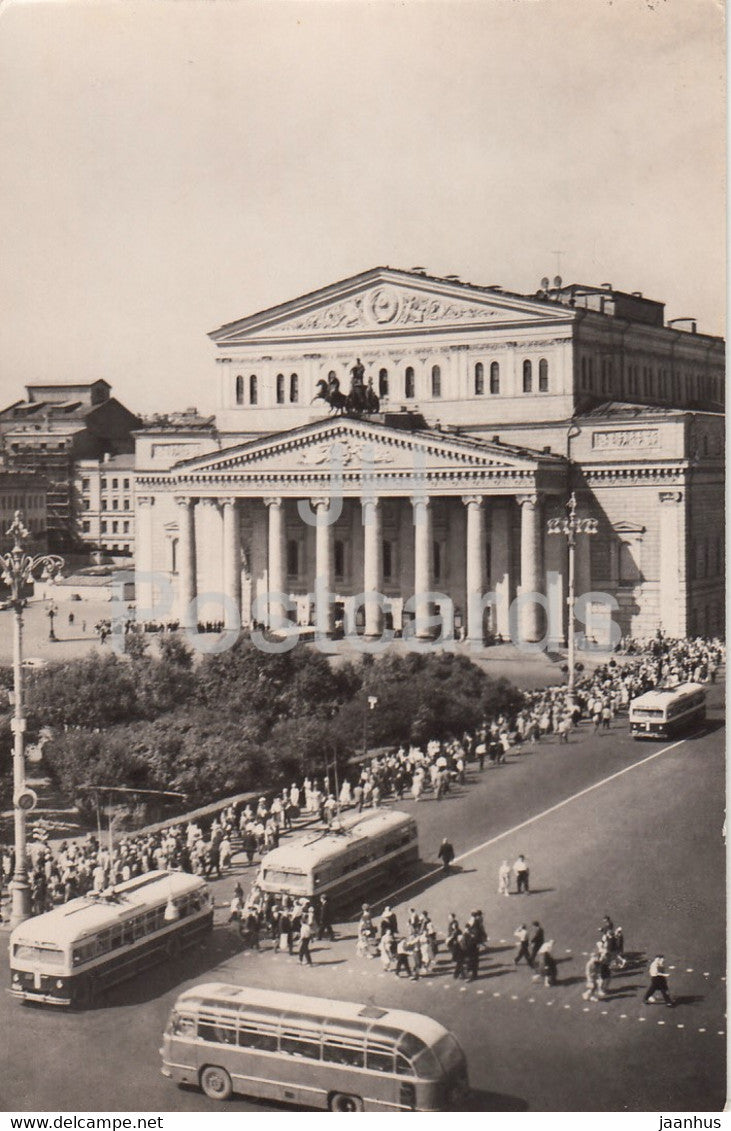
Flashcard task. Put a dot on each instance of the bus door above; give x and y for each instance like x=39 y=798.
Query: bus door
x=181 y=1032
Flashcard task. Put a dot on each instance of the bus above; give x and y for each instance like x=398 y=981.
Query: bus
x=319 y=1053
x=68 y=956
x=666 y=711
x=343 y=864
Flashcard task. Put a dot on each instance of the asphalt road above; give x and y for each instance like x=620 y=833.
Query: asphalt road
x=608 y=825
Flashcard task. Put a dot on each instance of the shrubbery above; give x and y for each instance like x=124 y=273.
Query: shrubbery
x=244 y=719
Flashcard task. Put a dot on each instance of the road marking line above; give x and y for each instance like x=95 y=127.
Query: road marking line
x=624 y=1015
x=681 y=1026
x=480 y=991
x=689 y=970
x=567 y=1007
x=701 y=1030
x=604 y=1012
x=661 y=1022
x=463 y=989
x=720 y=1032
x=549 y=1003
x=706 y=974
x=586 y=1009
x=642 y=1019
x=531 y=1000
x=513 y=997
x=536 y=817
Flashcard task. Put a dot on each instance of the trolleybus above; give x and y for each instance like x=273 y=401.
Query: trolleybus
x=69 y=955
x=663 y=712
x=344 y=864
x=335 y=1055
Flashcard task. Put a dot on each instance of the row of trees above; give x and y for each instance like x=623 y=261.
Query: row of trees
x=244 y=719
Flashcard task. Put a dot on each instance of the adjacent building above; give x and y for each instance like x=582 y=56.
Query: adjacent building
x=494 y=408
x=53 y=427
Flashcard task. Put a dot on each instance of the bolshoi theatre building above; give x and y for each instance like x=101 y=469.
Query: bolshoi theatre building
x=484 y=411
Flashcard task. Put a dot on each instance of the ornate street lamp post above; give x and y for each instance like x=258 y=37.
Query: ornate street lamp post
x=52 y=612
x=16 y=569
x=570 y=527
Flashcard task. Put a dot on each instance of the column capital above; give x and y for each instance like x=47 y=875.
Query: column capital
x=473 y=500
x=322 y=502
x=210 y=501
x=145 y=500
x=229 y=501
x=420 y=500
x=273 y=501
x=531 y=500
x=670 y=496
x=184 y=500
x=373 y=502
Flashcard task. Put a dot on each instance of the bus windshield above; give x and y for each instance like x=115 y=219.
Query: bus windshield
x=296 y=881
x=647 y=712
x=41 y=955
x=449 y=1053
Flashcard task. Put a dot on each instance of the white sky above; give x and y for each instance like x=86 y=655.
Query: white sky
x=171 y=165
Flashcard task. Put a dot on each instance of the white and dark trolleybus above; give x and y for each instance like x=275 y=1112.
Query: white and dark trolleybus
x=69 y=955
x=664 y=712
x=368 y=849
x=318 y=1053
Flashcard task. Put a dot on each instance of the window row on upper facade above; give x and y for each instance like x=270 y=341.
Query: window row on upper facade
x=648 y=381
x=486 y=379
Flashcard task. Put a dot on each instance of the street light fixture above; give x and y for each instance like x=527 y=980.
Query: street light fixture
x=17 y=568
x=570 y=526
x=52 y=612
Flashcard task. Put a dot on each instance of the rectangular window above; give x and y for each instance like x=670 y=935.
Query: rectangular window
x=85 y=484
x=103 y=483
x=265 y=1041
x=125 y=505
x=352 y=1056
x=387 y=561
x=299 y=1046
x=125 y=484
x=115 y=504
x=86 y=527
x=115 y=484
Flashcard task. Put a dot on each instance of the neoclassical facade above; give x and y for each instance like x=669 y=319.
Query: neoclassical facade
x=494 y=407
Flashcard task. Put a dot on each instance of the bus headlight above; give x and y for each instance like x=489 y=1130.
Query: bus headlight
x=59 y=983
x=16 y=979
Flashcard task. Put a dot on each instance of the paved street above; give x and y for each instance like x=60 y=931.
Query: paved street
x=608 y=825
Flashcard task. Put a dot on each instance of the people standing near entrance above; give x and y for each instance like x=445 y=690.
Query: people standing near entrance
x=658 y=982
x=522 y=874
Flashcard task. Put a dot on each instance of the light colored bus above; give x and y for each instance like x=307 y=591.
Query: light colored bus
x=68 y=956
x=369 y=848
x=334 y=1055
x=663 y=712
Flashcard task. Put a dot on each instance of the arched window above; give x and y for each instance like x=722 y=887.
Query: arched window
x=479 y=379
x=543 y=376
x=253 y=389
x=409 y=383
x=280 y=388
x=294 y=388
x=527 y=377
x=436 y=381
x=383 y=383
x=494 y=378
x=239 y=390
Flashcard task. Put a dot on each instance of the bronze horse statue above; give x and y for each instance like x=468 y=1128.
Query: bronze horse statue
x=362 y=398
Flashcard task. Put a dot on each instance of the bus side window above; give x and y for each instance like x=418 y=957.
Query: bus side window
x=129 y=934
x=379 y=1060
x=336 y=1053
x=116 y=937
x=219 y=1034
x=258 y=1039
x=103 y=942
x=403 y=1066
x=296 y=1045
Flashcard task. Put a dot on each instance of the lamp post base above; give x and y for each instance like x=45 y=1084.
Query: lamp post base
x=20 y=902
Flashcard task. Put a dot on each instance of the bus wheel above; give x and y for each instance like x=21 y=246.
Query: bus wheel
x=342 y=1102
x=216 y=1083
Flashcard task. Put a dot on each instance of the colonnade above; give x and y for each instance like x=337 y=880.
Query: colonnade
x=532 y=569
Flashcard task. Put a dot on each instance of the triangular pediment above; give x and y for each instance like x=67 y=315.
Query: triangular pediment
x=357 y=447
x=386 y=301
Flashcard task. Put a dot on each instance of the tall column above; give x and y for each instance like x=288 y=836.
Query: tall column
x=232 y=564
x=187 y=587
x=475 y=567
x=372 y=565
x=500 y=560
x=532 y=578
x=144 y=532
x=324 y=568
x=672 y=557
x=423 y=558
x=277 y=558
